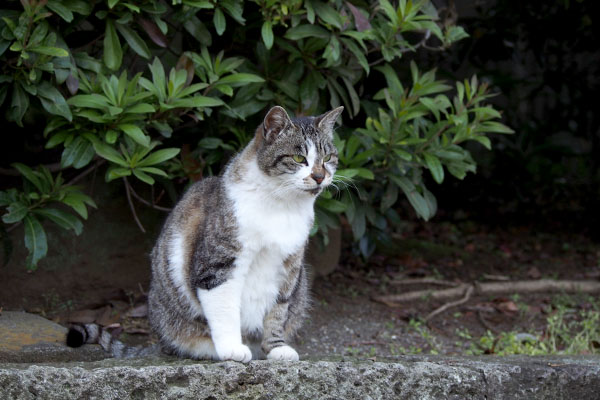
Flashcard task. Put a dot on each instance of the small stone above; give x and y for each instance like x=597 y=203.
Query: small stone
x=20 y=329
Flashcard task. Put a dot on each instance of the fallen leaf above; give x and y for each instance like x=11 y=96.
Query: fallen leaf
x=507 y=307
x=534 y=273
x=140 y=311
x=83 y=316
x=107 y=317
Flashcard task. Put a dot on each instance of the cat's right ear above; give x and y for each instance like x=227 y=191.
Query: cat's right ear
x=275 y=122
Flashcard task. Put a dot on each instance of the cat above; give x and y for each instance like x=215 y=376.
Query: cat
x=227 y=268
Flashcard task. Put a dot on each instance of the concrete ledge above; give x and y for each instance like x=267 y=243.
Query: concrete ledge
x=405 y=378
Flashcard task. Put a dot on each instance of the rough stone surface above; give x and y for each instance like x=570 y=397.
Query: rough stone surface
x=405 y=378
x=29 y=338
x=19 y=330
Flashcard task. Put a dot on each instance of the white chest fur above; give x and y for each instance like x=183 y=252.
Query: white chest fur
x=270 y=230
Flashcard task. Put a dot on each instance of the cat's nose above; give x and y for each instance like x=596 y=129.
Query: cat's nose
x=318 y=177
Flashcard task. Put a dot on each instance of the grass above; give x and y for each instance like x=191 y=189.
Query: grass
x=567 y=332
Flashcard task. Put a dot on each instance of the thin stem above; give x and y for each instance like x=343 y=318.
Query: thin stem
x=135 y=217
x=146 y=202
x=85 y=173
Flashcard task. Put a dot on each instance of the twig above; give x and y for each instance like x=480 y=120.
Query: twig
x=146 y=202
x=494 y=288
x=430 y=281
x=485 y=323
x=446 y=306
x=86 y=172
x=128 y=192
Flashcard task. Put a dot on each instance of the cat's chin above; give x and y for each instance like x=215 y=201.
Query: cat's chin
x=313 y=192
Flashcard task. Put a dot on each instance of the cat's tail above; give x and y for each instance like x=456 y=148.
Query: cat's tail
x=81 y=334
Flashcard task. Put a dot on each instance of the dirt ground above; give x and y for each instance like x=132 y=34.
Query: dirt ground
x=103 y=274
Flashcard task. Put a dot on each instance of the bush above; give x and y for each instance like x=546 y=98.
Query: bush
x=124 y=85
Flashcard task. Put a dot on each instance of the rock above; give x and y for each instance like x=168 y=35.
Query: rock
x=403 y=378
x=323 y=261
x=28 y=337
x=20 y=329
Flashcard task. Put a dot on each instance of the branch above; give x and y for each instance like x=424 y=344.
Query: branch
x=429 y=281
x=128 y=192
x=146 y=202
x=86 y=172
x=446 y=306
x=494 y=288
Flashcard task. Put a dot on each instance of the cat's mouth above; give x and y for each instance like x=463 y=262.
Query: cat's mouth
x=314 y=191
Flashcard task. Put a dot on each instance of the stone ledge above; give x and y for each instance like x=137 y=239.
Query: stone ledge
x=407 y=377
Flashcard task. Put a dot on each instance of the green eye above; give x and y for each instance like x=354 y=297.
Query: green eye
x=327 y=158
x=298 y=158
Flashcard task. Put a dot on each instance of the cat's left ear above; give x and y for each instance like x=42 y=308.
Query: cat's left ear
x=326 y=122
x=275 y=121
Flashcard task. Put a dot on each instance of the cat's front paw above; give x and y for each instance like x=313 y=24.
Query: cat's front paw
x=283 y=353
x=238 y=352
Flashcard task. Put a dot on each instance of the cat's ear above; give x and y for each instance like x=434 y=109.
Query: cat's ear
x=275 y=121
x=326 y=122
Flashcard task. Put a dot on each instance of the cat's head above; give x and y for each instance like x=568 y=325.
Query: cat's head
x=298 y=152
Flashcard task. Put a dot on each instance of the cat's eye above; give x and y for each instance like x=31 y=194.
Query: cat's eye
x=298 y=158
x=327 y=158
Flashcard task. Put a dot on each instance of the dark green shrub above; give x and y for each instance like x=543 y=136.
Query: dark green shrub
x=123 y=85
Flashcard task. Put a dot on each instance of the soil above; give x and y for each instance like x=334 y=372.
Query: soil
x=102 y=276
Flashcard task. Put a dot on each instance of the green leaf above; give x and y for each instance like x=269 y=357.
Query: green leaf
x=35 y=241
x=49 y=51
x=414 y=197
x=53 y=101
x=335 y=206
x=492 y=126
x=19 y=104
x=135 y=133
x=356 y=52
x=93 y=100
x=219 y=21
x=142 y=176
x=113 y=53
x=156 y=171
x=106 y=151
x=389 y=198
x=29 y=175
x=115 y=173
x=78 y=153
x=240 y=79
x=77 y=201
x=196 y=102
x=60 y=9
x=61 y=218
x=327 y=14
x=267 y=34
x=484 y=141
x=134 y=40
x=306 y=31
x=435 y=167
x=141 y=108
x=15 y=212
x=158 y=157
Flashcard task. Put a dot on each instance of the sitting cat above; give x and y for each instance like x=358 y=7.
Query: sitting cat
x=227 y=267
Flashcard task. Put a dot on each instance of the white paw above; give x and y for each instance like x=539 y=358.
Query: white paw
x=283 y=353
x=238 y=352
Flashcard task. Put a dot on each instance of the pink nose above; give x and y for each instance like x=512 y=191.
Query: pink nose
x=318 y=178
